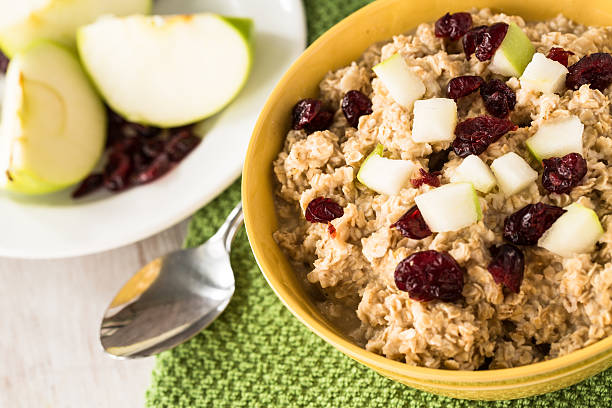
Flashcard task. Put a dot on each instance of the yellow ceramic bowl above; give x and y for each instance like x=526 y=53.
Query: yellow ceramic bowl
x=338 y=47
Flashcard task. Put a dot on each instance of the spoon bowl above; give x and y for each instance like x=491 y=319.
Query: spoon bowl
x=172 y=298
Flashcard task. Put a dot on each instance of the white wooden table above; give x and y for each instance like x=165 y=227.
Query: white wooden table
x=49 y=318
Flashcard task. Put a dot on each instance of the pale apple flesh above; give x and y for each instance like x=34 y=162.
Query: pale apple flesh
x=556 y=138
x=450 y=207
x=513 y=173
x=404 y=86
x=434 y=120
x=175 y=70
x=54 y=124
x=23 y=22
x=473 y=170
x=383 y=175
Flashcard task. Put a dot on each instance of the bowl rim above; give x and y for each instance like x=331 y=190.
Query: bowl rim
x=561 y=366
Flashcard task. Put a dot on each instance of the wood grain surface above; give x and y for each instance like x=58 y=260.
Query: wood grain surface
x=50 y=313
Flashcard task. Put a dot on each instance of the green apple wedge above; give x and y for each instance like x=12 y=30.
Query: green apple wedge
x=514 y=53
x=450 y=207
x=174 y=70
x=383 y=175
x=575 y=232
x=24 y=21
x=53 y=121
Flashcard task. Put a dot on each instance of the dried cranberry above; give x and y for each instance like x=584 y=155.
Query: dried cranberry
x=331 y=229
x=156 y=169
x=499 y=99
x=429 y=275
x=117 y=172
x=438 y=159
x=474 y=135
x=453 y=26
x=152 y=148
x=426 y=178
x=490 y=40
x=507 y=266
x=560 y=55
x=354 y=105
x=181 y=144
x=127 y=146
x=308 y=115
x=90 y=184
x=527 y=225
x=463 y=85
x=323 y=210
x=412 y=225
x=472 y=38
x=4 y=61
x=131 y=129
x=561 y=174
x=594 y=69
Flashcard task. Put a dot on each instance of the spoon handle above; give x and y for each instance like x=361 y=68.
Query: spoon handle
x=230 y=227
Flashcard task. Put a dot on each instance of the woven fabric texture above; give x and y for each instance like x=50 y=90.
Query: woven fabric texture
x=256 y=354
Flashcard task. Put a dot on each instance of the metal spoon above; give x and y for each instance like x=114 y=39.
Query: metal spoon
x=173 y=297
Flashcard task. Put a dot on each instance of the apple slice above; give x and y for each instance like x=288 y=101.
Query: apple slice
x=404 y=86
x=513 y=173
x=53 y=122
x=576 y=231
x=167 y=71
x=385 y=176
x=473 y=170
x=25 y=21
x=556 y=138
x=450 y=207
x=513 y=54
x=544 y=75
x=434 y=120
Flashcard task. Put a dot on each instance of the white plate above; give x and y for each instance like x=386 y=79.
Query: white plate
x=55 y=226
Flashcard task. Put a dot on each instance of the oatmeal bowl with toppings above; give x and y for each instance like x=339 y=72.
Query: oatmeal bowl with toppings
x=428 y=190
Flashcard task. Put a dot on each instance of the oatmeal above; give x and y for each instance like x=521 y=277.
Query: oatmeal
x=460 y=219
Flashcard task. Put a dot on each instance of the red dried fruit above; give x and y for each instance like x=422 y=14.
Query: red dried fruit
x=4 y=61
x=430 y=275
x=528 y=224
x=499 y=99
x=152 y=148
x=412 y=225
x=307 y=115
x=561 y=174
x=181 y=144
x=354 y=105
x=453 y=26
x=507 y=266
x=89 y=185
x=331 y=229
x=463 y=85
x=490 y=40
x=117 y=172
x=438 y=159
x=471 y=40
x=560 y=55
x=157 y=168
x=426 y=178
x=474 y=135
x=323 y=210
x=594 y=69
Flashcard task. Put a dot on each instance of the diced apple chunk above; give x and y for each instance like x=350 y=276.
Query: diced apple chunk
x=544 y=75
x=513 y=54
x=385 y=176
x=434 y=120
x=473 y=170
x=574 y=232
x=556 y=138
x=450 y=207
x=404 y=86
x=513 y=173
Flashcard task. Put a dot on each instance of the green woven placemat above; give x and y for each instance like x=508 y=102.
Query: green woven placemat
x=256 y=354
